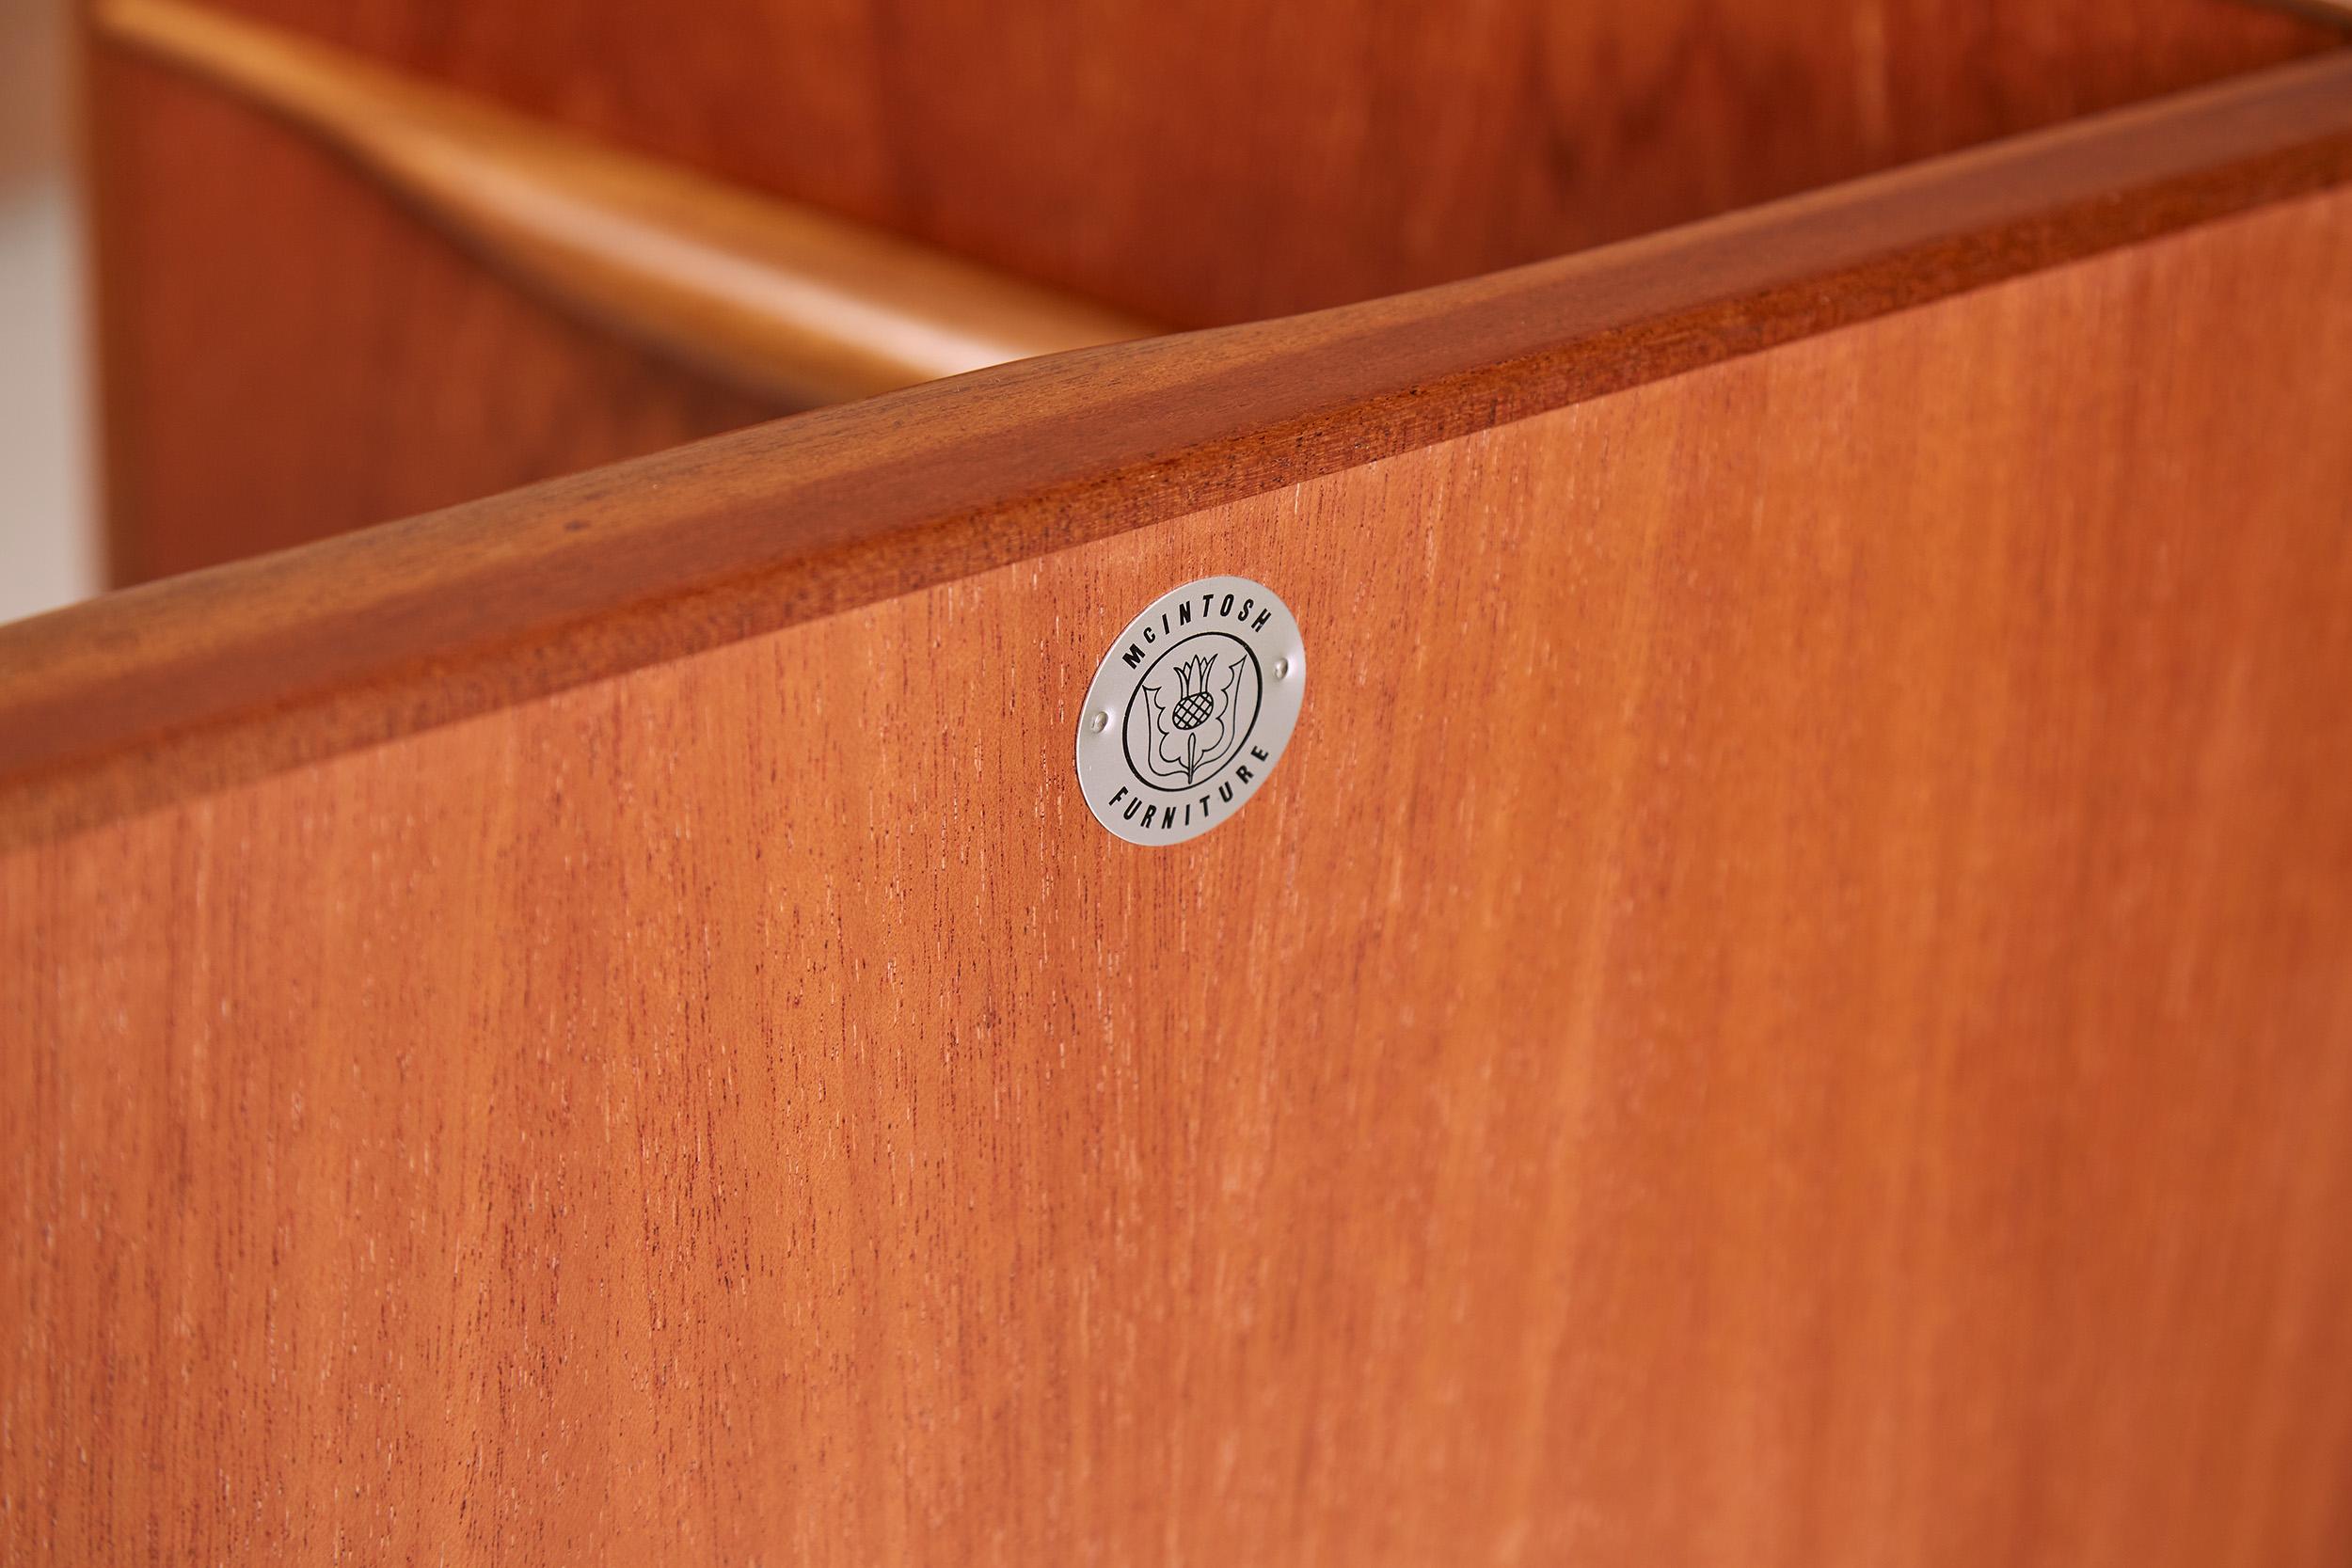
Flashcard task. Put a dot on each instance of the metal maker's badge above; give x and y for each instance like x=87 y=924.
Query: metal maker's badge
x=1190 y=710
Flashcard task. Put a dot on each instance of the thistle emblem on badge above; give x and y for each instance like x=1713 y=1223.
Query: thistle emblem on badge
x=1193 y=735
x=1190 y=709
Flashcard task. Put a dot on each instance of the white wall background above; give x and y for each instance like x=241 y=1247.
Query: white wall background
x=48 y=514
x=48 y=537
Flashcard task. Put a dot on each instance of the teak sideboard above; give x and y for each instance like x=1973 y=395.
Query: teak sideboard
x=1787 y=1002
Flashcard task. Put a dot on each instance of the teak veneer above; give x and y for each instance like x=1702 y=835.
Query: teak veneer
x=208 y=677
x=1789 y=1002
x=1196 y=162
x=783 y=302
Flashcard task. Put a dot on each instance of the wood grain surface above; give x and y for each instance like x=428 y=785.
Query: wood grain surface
x=284 y=354
x=287 y=357
x=1789 y=1002
x=772 y=297
x=183 y=686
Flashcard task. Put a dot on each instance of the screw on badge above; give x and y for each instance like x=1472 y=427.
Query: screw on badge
x=1190 y=710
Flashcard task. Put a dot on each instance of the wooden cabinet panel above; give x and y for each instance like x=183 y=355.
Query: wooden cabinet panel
x=287 y=356
x=1220 y=160
x=1789 y=1004
x=359 y=640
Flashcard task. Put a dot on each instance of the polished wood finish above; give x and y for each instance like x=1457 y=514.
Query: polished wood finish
x=286 y=356
x=186 y=685
x=2331 y=13
x=1205 y=162
x=778 y=300
x=1791 y=1004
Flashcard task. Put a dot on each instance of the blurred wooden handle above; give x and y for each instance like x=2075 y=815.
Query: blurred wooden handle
x=778 y=299
x=2332 y=13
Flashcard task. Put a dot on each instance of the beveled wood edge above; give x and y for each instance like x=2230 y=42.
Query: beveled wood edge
x=187 y=684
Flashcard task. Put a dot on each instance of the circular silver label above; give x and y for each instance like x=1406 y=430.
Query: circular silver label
x=1190 y=710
